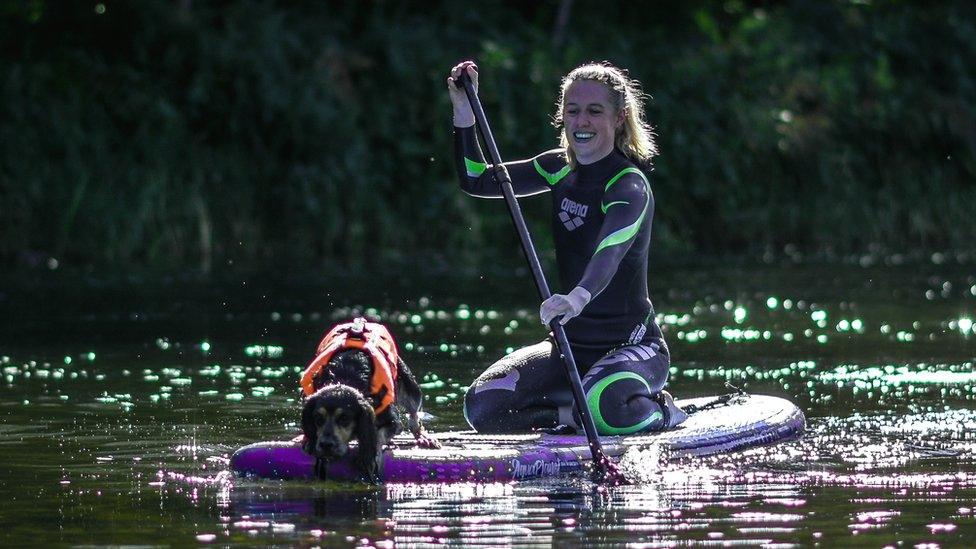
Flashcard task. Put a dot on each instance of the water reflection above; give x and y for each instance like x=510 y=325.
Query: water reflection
x=129 y=416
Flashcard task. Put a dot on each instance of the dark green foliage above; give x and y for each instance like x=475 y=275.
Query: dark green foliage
x=185 y=133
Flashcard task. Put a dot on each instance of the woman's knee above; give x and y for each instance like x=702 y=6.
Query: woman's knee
x=521 y=390
x=620 y=391
x=480 y=408
x=623 y=404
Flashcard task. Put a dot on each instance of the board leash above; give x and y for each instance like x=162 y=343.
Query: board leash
x=721 y=400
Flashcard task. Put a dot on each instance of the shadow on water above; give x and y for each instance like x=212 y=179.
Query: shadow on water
x=122 y=402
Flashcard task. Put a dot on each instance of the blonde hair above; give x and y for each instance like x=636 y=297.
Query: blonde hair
x=635 y=137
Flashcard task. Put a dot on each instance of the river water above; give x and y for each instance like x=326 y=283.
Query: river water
x=122 y=399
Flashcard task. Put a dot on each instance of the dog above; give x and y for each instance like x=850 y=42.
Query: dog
x=353 y=389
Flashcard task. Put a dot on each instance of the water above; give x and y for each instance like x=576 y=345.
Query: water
x=122 y=400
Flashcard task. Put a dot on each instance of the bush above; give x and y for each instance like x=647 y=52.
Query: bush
x=181 y=134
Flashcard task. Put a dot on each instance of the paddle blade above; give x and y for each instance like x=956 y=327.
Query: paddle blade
x=606 y=472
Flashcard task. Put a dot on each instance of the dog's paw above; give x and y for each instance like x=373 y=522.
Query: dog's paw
x=424 y=441
x=369 y=471
x=370 y=476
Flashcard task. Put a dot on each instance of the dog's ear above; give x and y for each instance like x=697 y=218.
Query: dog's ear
x=367 y=454
x=308 y=426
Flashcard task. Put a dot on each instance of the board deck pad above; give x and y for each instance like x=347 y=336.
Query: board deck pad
x=742 y=422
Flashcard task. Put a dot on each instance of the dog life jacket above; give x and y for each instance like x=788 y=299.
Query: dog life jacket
x=370 y=337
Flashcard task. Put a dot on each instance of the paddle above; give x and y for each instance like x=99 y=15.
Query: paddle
x=604 y=471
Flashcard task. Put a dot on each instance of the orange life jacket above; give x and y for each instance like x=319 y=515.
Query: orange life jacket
x=370 y=337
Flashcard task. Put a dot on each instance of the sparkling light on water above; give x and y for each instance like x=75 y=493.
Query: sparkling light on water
x=148 y=429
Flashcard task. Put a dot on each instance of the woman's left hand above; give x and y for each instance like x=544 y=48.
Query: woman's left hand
x=567 y=306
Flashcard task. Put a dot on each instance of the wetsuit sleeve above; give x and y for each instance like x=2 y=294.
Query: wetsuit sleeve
x=627 y=205
x=532 y=176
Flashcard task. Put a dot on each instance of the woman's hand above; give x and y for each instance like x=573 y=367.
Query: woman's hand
x=463 y=115
x=567 y=306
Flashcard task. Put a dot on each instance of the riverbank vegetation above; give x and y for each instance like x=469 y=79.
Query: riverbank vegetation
x=199 y=135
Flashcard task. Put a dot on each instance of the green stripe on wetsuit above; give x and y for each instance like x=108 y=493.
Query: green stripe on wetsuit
x=605 y=207
x=593 y=403
x=623 y=235
x=474 y=168
x=551 y=178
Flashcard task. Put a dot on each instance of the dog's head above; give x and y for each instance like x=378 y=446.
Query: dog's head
x=333 y=417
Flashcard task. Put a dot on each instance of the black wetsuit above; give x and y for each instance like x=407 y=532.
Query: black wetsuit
x=602 y=227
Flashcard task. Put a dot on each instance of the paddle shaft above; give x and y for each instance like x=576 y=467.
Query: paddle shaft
x=562 y=342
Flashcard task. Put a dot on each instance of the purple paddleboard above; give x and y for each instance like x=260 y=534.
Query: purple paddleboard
x=742 y=422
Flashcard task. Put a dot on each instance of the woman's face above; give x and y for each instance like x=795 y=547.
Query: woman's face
x=590 y=120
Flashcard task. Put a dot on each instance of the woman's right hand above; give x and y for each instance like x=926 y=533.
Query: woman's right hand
x=463 y=115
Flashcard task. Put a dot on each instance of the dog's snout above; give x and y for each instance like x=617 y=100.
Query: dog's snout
x=328 y=446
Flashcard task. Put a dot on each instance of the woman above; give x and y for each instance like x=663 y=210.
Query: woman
x=602 y=210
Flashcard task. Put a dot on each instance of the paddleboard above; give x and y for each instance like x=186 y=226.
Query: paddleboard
x=717 y=424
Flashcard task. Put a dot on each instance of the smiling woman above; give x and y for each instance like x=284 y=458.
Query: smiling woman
x=602 y=211
x=602 y=95
x=590 y=121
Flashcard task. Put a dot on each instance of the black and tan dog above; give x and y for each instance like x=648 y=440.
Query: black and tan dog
x=353 y=389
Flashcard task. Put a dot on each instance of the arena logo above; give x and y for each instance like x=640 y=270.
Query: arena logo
x=572 y=213
x=537 y=468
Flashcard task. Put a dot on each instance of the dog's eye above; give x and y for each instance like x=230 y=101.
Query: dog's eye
x=343 y=421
